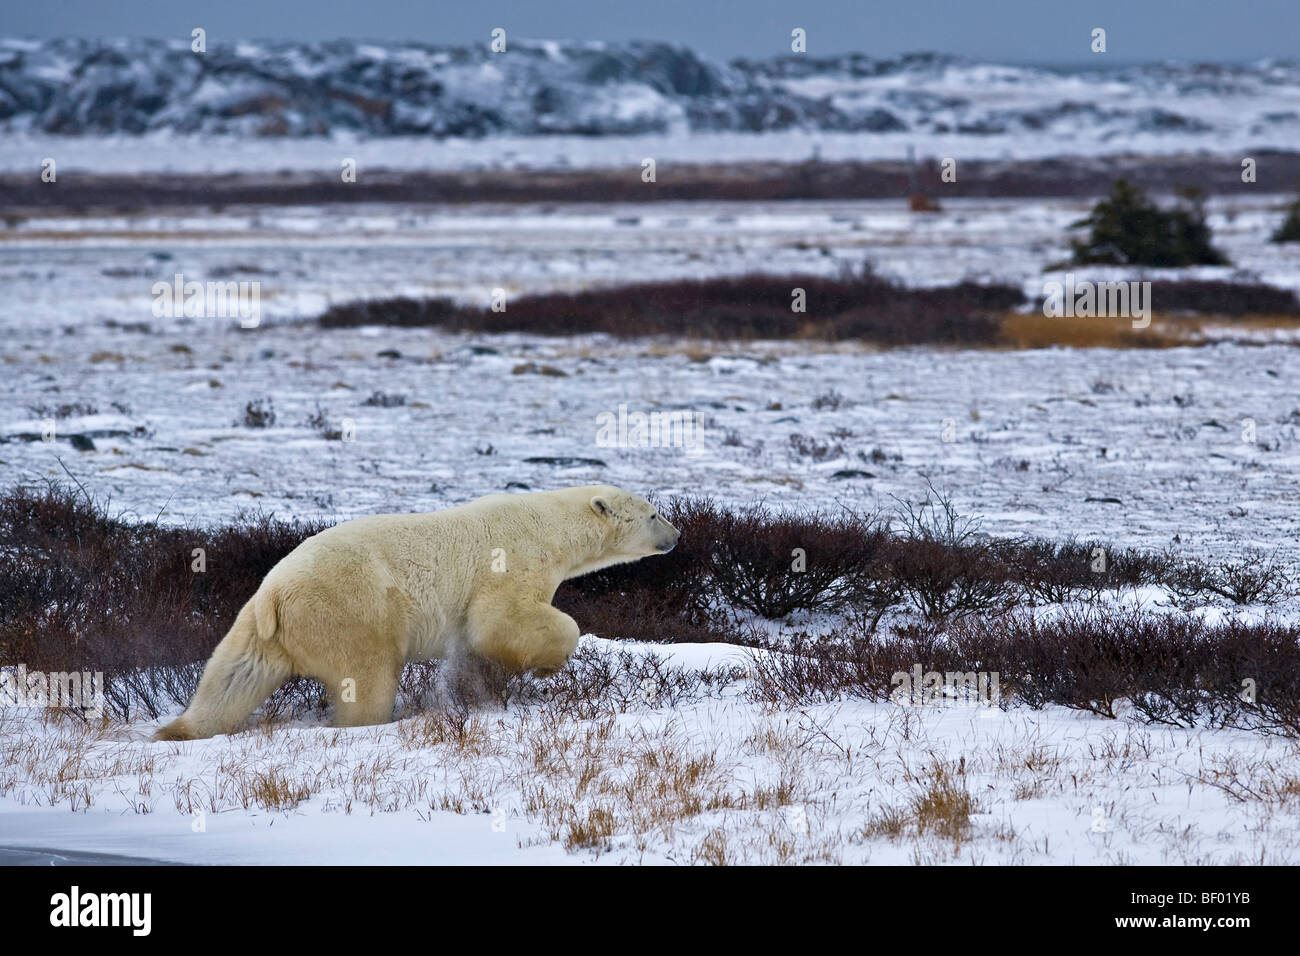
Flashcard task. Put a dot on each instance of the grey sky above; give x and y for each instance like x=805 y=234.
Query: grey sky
x=1039 y=31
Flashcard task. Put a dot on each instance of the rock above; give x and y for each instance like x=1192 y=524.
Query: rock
x=532 y=368
x=565 y=462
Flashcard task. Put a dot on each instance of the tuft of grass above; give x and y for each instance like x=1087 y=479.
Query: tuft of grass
x=943 y=806
x=590 y=828
x=274 y=789
x=259 y=413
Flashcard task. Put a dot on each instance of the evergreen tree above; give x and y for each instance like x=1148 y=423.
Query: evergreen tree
x=1289 y=231
x=1129 y=229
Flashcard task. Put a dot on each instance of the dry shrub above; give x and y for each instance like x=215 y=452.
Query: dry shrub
x=1055 y=572
x=1207 y=297
x=1254 y=579
x=775 y=564
x=1172 y=669
x=860 y=306
x=600 y=683
x=82 y=590
x=756 y=306
x=400 y=312
x=941 y=579
x=943 y=563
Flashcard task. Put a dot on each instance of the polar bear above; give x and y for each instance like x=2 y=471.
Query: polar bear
x=351 y=605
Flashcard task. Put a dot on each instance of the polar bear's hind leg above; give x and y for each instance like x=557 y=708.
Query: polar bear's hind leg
x=242 y=673
x=366 y=693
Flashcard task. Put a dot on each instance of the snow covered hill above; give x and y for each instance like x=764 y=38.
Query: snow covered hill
x=275 y=89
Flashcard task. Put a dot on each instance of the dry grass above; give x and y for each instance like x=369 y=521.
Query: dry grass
x=1274 y=783
x=943 y=806
x=1034 y=330
x=589 y=785
x=939 y=806
x=785 y=787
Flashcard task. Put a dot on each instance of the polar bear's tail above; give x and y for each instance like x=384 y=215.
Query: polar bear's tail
x=243 y=671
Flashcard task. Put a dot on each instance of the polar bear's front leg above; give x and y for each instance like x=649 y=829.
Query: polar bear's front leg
x=522 y=634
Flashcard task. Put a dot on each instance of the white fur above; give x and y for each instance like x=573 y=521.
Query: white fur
x=351 y=605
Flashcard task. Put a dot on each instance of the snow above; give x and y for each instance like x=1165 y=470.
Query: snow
x=1050 y=787
x=604 y=105
x=22 y=151
x=1158 y=429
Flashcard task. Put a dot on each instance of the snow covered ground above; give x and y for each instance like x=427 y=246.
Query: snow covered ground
x=23 y=152
x=1036 y=433
x=718 y=778
x=1137 y=447
x=308 y=257
x=1134 y=447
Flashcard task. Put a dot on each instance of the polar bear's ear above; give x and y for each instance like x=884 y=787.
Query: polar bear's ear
x=601 y=507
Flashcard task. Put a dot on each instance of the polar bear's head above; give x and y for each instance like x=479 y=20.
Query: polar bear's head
x=634 y=527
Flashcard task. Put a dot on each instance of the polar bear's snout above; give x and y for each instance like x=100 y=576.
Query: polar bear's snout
x=669 y=536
